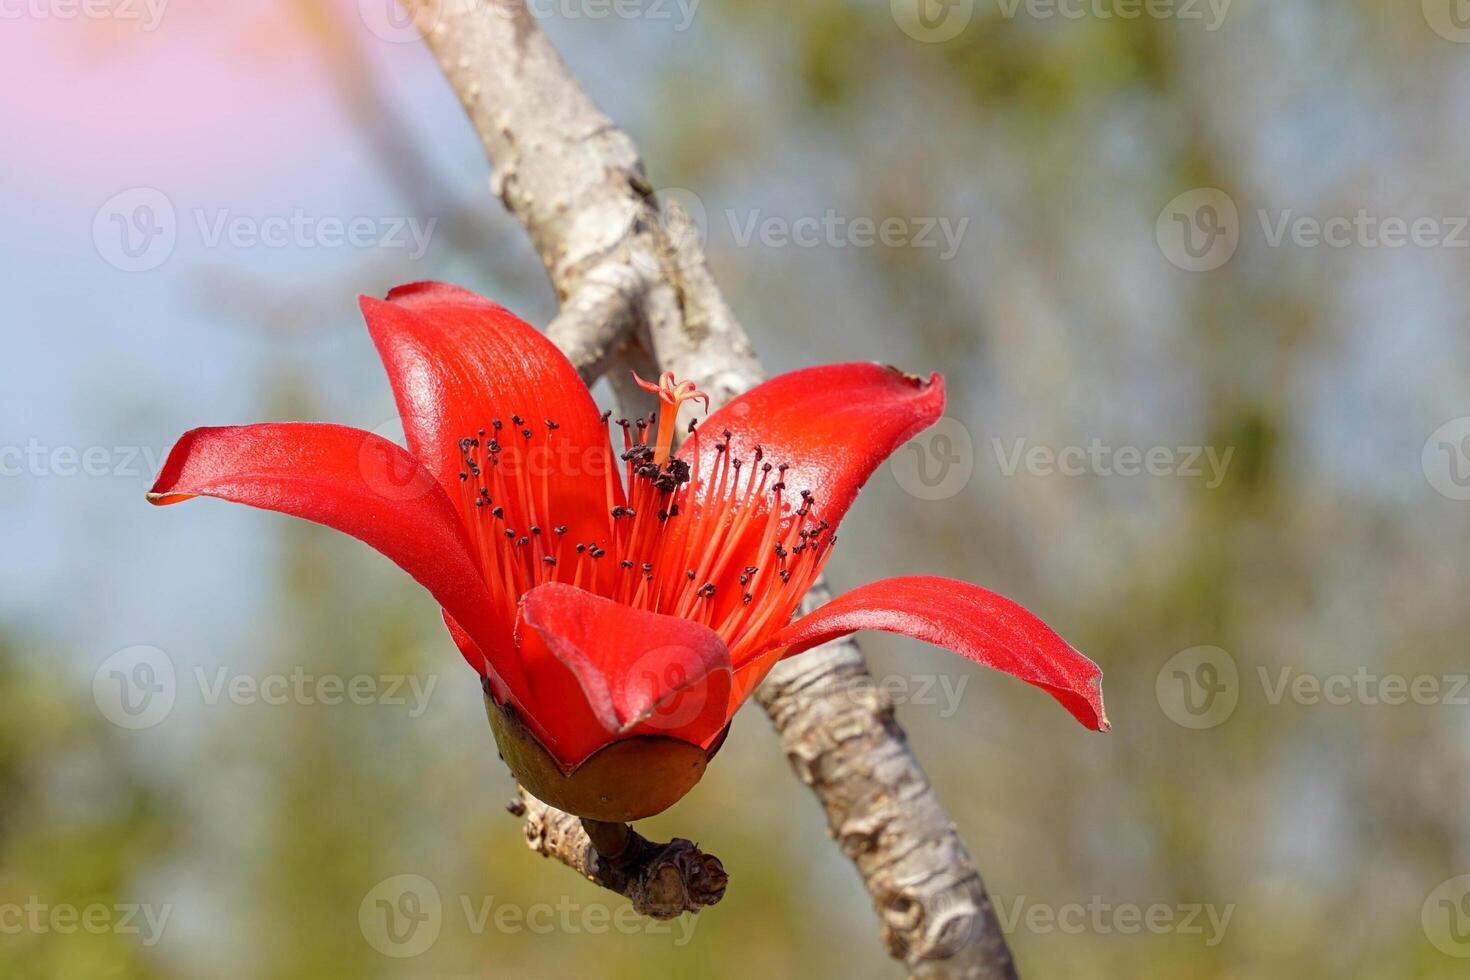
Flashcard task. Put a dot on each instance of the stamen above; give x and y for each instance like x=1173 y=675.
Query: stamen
x=721 y=545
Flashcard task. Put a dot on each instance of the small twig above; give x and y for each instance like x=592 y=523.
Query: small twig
x=661 y=881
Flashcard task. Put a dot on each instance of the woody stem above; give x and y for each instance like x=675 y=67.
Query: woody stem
x=661 y=881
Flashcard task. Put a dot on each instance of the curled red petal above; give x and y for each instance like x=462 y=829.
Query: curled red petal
x=831 y=425
x=357 y=483
x=599 y=670
x=973 y=622
x=456 y=362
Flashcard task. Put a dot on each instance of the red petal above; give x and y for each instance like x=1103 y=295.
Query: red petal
x=980 y=625
x=456 y=361
x=599 y=670
x=355 y=482
x=833 y=426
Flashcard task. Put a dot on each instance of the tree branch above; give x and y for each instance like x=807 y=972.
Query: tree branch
x=575 y=181
x=661 y=881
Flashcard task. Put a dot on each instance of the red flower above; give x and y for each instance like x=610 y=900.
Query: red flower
x=620 y=609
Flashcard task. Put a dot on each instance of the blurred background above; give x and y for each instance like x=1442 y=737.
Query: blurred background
x=1196 y=274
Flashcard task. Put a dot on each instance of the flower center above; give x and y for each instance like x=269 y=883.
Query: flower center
x=729 y=548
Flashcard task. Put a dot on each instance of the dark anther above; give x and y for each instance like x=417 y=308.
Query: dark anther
x=581 y=548
x=690 y=573
x=693 y=424
x=495 y=424
x=535 y=529
x=780 y=550
x=498 y=512
x=648 y=566
x=778 y=486
x=559 y=529
x=526 y=433
x=618 y=512
x=463 y=477
x=765 y=467
x=517 y=420
x=605 y=416
x=785 y=575
x=552 y=425
x=626 y=563
x=760 y=453
x=726 y=434
x=751 y=569
x=510 y=532
x=522 y=541
x=548 y=560
x=746 y=598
